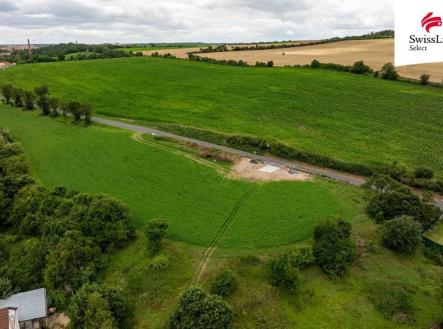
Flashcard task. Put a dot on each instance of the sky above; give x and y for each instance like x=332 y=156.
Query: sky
x=100 y=21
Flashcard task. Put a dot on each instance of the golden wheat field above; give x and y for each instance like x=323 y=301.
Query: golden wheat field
x=373 y=52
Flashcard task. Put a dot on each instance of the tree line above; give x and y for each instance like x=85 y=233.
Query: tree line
x=59 y=239
x=49 y=106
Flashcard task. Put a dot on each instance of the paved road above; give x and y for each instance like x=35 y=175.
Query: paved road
x=314 y=170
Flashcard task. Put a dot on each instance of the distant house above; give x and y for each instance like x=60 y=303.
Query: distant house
x=8 y=318
x=30 y=308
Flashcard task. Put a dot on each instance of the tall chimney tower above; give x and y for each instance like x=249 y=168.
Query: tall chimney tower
x=29 y=48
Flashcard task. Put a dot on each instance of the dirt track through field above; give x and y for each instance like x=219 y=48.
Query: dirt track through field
x=208 y=253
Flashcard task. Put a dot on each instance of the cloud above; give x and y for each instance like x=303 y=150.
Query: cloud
x=52 y=21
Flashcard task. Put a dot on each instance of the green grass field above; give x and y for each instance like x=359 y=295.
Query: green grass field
x=352 y=118
x=157 y=183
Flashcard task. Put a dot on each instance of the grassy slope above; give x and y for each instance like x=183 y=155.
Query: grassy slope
x=348 y=117
x=159 y=184
x=84 y=159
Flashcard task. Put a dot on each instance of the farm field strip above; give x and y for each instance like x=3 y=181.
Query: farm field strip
x=156 y=183
x=349 y=118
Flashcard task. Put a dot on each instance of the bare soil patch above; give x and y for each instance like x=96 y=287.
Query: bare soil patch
x=257 y=171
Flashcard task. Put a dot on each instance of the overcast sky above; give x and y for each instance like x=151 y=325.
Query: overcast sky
x=97 y=21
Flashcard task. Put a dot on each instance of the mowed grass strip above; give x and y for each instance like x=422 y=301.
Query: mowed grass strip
x=157 y=183
x=352 y=118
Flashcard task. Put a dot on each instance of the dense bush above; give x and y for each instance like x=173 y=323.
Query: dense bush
x=224 y=283
x=388 y=72
x=155 y=232
x=159 y=263
x=283 y=274
x=402 y=234
x=424 y=79
x=333 y=249
x=302 y=258
x=397 y=201
x=196 y=310
x=425 y=173
x=106 y=304
x=393 y=300
x=360 y=68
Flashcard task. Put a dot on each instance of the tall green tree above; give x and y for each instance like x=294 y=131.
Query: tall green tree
x=155 y=232
x=42 y=93
x=7 y=92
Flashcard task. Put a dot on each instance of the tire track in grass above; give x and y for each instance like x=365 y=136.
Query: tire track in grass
x=208 y=253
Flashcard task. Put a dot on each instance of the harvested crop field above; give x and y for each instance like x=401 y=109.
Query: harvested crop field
x=374 y=52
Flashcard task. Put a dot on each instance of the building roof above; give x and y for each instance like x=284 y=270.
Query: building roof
x=30 y=304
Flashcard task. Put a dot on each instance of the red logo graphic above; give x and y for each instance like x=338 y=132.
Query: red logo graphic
x=428 y=22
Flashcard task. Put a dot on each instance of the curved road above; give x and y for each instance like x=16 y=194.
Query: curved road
x=295 y=165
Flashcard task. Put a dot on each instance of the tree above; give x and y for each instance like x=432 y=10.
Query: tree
x=53 y=104
x=115 y=302
x=97 y=314
x=29 y=99
x=270 y=64
x=402 y=234
x=7 y=91
x=27 y=259
x=360 y=68
x=42 y=93
x=424 y=173
x=224 y=283
x=18 y=95
x=424 y=79
x=85 y=112
x=315 y=64
x=73 y=108
x=6 y=288
x=155 y=232
x=196 y=310
x=388 y=72
x=75 y=260
x=333 y=249
x=282 y=273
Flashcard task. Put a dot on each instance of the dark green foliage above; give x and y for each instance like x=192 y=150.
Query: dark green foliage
x=18 y=95
x=224 y=283
x=27 y=259
x=196 y=310
x=315 y=64
x=53 y=104
x=302 y=258
x=112 y=300
x=435 y=254
x=423 y=172
x=388 y=72
x=397 y=201
x=402 y=234
x=270 y=64
x=42 y=93
x=7 y=92
x=6 y=288
x=360 y=68
x=283 y=274
x=73 y=261
x=393 y=300
x=29 y=99
x=155 y=232
x=424 y=79
x=333 y=249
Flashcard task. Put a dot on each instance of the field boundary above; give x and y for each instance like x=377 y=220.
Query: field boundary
x=210 y=250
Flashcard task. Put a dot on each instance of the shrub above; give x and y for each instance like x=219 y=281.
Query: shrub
x=388 y=72
x=224 y=283
x=196 y=310
x=6 y=288
x=360 y=68
x=333 y=249
x=424 y=79
x=393 y=300
x=423 y=172
x=29 y=99
x=434 y=254
x=302 y=258
x=283 y=274
x=159 y=263
x=155 y=232
x=270 y=64
x=402 y=234
x=315 y=64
